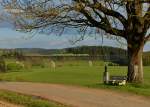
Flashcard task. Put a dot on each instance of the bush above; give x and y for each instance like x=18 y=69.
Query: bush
x=2 y=65
x=14 y=66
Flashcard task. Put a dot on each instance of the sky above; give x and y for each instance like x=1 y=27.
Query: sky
x=10 y=38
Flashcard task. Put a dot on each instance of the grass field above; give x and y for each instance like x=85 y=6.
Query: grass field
x=79 y=74
x=26 y=101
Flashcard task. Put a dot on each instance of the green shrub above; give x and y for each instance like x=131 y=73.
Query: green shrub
x=14 y=66
x=2 y=65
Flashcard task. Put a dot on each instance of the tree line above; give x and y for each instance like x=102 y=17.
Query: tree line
x=117 y=55
x=105 y=53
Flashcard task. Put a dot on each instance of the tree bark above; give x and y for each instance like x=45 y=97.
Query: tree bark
x=135 y=64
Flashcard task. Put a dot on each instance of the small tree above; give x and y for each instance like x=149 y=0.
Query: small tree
x=128 y=19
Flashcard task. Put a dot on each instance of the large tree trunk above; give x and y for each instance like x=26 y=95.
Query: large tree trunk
x=135 y=64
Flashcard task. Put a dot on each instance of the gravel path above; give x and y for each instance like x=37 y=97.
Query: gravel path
x=77 y=96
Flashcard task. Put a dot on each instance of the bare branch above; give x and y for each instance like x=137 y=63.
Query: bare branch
x=147 y=18
x=99 y=14
x=147 y=38
x=103 y=24
x=109 y=12
x=144 y=1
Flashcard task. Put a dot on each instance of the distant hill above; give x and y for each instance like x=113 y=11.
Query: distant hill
x=147 y=53
x=97 y=50
x=90 y=50
x=116 y=55
x=34 y=51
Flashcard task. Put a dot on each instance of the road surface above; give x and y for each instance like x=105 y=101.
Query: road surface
x=77 y=96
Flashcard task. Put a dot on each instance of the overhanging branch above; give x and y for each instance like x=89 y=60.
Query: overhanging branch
x=145 y=1
x=103 y=25
x=147 y=18
x=110 y=12
x=147 y=38
x=97 y=5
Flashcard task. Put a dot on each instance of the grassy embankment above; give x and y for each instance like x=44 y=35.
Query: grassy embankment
x=26 y=101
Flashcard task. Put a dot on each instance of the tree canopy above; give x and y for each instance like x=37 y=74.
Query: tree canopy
x=114 y=17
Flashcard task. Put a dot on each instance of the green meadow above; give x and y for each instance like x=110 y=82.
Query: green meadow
x=77 y=73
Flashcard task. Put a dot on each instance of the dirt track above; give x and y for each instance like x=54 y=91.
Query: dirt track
x=77 y=96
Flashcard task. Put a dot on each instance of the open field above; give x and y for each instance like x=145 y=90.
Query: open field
x=78 y=73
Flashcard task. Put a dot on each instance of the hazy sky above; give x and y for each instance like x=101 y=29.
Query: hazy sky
x=10 y=38
x=13 y=39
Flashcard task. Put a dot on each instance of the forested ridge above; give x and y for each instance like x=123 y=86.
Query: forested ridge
x=113 y=54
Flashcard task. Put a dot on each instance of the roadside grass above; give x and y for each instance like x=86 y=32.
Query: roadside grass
x=26 y=101
x=79 y=73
